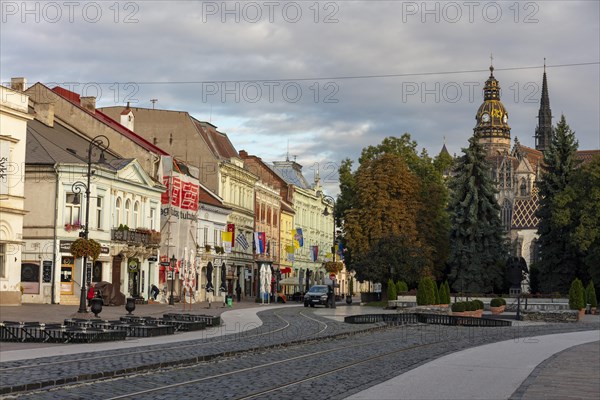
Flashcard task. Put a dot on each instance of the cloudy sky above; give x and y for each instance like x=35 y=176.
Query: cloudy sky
x=323 y=79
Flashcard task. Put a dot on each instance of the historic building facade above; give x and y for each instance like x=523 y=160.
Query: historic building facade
x=516 y=170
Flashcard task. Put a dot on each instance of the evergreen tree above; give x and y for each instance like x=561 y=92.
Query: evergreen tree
x=584 y=189
x=558 y=264
x=478 y=243
x=391 y=290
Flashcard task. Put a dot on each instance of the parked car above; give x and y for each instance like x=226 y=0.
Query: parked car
x=318 y=294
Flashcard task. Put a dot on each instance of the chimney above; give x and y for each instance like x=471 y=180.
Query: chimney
x=89 y=103
x=44 y=112
x=18 y=84
x=127 y=118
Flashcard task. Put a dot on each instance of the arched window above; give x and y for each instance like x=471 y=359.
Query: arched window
x=118 y=204
x=506 y=214
x=127 y=211
x=136 y=214
x=534 y=252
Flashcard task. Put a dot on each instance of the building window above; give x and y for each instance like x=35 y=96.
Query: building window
x=523 y=188
x=506 y=214
x=534 y=252
x=205 y=235
x=99 y=213
x=118 y=212
x=216 y=237
x=152 y=217
x=2 y=260
x=136 y=214
x=127 y=212
x=72 y=210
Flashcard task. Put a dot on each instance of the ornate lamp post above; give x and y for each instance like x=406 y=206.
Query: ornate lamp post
x=326 y=213
x=102 y=143
x=172 y=276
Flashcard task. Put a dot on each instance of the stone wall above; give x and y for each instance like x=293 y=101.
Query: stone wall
x=550 y=316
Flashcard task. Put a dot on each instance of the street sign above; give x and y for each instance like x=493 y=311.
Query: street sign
x=165 y=263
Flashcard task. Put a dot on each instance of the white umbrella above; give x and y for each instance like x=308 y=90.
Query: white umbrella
x=263 y=277
x=268 y=280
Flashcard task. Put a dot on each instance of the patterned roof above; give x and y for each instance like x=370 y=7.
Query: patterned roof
x=524 y=211
x=585 y=156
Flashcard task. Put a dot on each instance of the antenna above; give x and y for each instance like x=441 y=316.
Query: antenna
x=153 y=101
x=287 y=154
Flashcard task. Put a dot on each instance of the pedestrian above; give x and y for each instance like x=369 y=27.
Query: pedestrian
x=238 y=292
x=90 y=295
x=154 y=291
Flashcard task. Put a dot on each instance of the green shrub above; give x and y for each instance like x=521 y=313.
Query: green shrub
x=590 y=294
x=444 y=293
x=391 y=290
x=426 y=292
x=401 y=287
x=478 y=304
x=459 y=306
x=503 y=300
x=436 y=293
x=496 y=302
x=576 y=295
x=470 y=306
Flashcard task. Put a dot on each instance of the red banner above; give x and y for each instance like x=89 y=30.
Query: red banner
x=231 y=228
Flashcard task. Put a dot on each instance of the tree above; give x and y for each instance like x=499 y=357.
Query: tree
x=476 y=234
x=590 y=295
x=426 y=247
x=558 y=264
x=576 y=295
x=584 y=189
x=384 y=211
x=391 y=290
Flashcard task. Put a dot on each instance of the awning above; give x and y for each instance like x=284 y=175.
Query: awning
x=285 y=270
x=292 y=281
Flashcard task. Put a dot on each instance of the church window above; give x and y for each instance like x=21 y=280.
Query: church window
x=506 y=214
x=523 y=187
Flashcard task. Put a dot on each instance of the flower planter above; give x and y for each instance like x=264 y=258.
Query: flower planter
x=497 y=310
x=593 y=310
x=581 y=313
x=442 y=305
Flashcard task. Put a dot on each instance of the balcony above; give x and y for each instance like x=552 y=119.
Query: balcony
x=137 y=237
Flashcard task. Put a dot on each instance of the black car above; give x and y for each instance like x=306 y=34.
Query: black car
x=318 y=294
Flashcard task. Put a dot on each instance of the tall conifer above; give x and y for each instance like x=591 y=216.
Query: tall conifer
x=558 y=259
x=478 y=247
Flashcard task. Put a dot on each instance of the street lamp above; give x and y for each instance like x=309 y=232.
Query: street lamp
x=172 y=275
x=326 y=213
x=102 y=143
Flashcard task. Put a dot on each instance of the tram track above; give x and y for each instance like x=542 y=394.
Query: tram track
x=77 y=369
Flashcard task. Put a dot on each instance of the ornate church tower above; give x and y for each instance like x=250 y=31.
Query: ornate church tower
x=544 y=130
x=492 y=128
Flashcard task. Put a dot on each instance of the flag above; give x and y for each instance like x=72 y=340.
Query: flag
x=231 y=228
x=242 y=241
x=226 y=239
x=289 y=249
x=314 y=253
x=259 y=242
x=299 y=237
x=290 y=256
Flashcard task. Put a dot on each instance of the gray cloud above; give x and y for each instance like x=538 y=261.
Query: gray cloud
x=332 y=119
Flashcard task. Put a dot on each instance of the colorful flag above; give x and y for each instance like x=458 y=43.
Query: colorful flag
x=242 y=241
x=299 y=237
x=231 y=228
x=289 y=249
x=314 y=253
x=226 y=239
x=259 y=242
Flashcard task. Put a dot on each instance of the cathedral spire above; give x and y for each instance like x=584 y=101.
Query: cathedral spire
x=544 y=130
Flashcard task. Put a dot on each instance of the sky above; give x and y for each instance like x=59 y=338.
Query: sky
x=318 y=80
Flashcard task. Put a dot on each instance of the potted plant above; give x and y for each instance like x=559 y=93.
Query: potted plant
x=497 y=305
x=459 y=309
x=577 y=297
x=207 y=248
x=478 y=305
x=85 y=248
x=334 y=267
x=592 y=300
x=350 y=291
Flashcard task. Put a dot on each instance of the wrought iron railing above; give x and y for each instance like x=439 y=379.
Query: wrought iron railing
x=135 y=236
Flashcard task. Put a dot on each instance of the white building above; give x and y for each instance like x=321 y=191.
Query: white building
x=13 y=123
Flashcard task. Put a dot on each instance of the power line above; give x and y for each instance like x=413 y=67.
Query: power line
x=349 y=77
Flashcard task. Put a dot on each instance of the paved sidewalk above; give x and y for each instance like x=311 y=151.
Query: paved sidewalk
x=493 y=371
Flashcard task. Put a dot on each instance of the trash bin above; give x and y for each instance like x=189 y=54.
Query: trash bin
x=229 y=300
